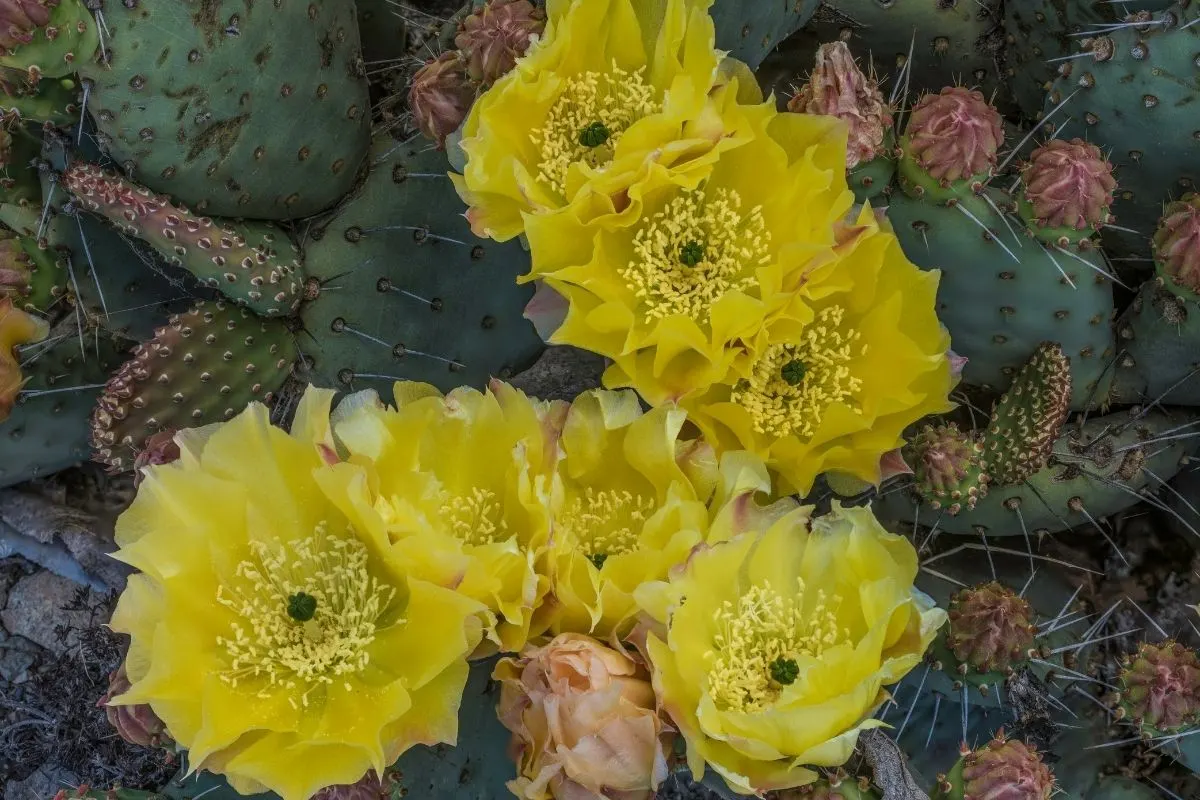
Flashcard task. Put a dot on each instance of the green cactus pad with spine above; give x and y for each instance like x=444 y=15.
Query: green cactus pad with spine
x=1026 y=420
x=47 y=430
x=235 y=109
x=1095 y=470
x=203 y=366
x=254 y=264
x=1035 y=33
x=749 y=31
x=1136 y=99
x=51 y=100
x=1159 y=337
x=406 y=291
x=948 y=467
x=66 y=42
x=1000 y=305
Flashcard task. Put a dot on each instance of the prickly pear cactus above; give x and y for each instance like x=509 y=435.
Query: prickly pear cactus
x=47 y=37
x=200 y=100
x=405 y=292
x=749 y=31
x=1132 y=92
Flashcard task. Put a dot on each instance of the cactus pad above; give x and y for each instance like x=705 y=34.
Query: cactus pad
x=1160 y=688
x=950 y=144
x=235 y=109
x=406 y=292
x=1001 y=295
x=749 y=31
x=252 y=263
x=203 y=366
x=1066 y=192
x=47 y=37
x=1027 y=419
x=991 y=627
x=948 y=467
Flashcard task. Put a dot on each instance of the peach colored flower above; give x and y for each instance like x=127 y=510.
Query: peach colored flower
x=584 y=722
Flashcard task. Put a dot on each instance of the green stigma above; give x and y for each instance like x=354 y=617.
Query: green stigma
x=301 y=606
x=691 y=253
x=784 y=671
x=594 y=135
x=598 y=559
x=793 y=372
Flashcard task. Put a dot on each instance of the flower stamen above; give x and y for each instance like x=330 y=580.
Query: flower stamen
x=586 y=122
x=475 y=518
x=603 y=523
x=321 y=581
x=793 y=385
x=761 y=640
x=695 y=251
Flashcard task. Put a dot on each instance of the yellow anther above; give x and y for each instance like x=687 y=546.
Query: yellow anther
x=604 y=523
x=765 y=628
x=590 y=102
x=696 y=250
x=272 y=644
x=475 y=518
x=783 y=400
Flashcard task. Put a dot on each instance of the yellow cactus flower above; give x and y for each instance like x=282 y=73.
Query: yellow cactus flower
x=615 y=90
x=772 y=647
x=459 y=485
x=629 y=503
x=16 y=328
x=857 y=357
x=282 y=645
x=679 y=295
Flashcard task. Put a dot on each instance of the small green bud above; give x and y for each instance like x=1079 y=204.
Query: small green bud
x=594 y=135
x=793 y=372
x=301 y=606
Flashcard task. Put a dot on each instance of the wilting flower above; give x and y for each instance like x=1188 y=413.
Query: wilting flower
x=440 y=95
x=584 y=722
x=613 y=92
x=859 y=357
x=282 y=645
x=679 y=294
x=16 y=328
x=136 y=724
x=838 y=88
x=459 y=485
x=629 y=504
x=774 y=645
x=493 y=37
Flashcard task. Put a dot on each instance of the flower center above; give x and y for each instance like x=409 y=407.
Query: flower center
x=587 y=121
x=307 y=612
x=694 y=251
x=475 y=519
x=792 y=385
x=604 y=523
x=760 y=641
